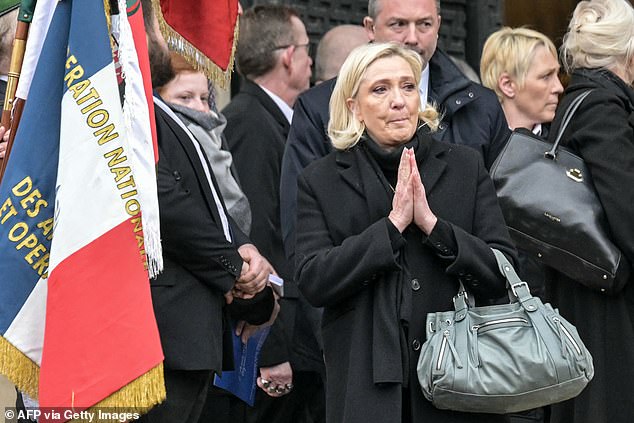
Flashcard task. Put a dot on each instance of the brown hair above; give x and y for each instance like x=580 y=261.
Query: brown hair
x=180 y=65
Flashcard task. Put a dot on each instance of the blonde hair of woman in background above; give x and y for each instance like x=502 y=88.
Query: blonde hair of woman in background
x=521 y=66
x=601 y=35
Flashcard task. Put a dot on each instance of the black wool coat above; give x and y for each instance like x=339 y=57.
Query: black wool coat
x=200 y=265
x=347 y=262
x=602 y=133
x=256 y=134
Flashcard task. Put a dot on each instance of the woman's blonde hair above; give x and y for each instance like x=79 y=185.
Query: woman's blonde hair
x=600 y=35
x=511 y=50
x=344 y=129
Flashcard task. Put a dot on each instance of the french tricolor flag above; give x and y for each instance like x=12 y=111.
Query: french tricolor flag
x=75 y=304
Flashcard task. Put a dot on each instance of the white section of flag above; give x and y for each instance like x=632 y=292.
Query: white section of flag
x=26 y=332
x=136 y=118
x=88 y=203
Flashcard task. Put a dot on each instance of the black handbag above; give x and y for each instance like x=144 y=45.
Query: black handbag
x=552 y=210
x=502 y=358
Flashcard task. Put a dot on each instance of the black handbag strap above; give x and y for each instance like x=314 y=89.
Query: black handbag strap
x=570 y=111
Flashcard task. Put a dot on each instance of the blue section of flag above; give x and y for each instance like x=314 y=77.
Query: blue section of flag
x=27 y=193
x=89 y=38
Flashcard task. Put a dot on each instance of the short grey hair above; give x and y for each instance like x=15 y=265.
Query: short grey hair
x=374 y=8
x=600 y=35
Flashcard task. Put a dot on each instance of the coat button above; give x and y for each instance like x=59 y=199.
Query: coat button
x=415 y=284
x=416 y=345
x=470 y=94
x=458 y=102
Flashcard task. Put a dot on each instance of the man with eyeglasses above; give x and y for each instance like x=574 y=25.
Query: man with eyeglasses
x=273 y=58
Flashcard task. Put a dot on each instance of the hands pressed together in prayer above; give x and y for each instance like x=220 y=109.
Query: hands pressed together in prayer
x=410 y=201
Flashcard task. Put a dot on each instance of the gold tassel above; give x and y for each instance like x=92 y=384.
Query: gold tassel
x=106 y=8
x=194 y=56
x=139 y=396
x=19 y=369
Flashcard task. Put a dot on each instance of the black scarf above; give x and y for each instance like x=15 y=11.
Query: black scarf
x=392 y=297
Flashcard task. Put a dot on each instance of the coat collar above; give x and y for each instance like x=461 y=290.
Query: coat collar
x=254 y=90
x=445 y=79
x=352 y=165
x=583 y=79
x=182 y=136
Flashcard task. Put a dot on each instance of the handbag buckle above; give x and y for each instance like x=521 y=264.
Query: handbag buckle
x=517 y=285
x=462 y=293
x=575 y=174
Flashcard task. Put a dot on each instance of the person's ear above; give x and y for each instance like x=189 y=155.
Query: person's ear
x=353 y=107
x=507 y=85
x=287 y=56
x=368 y=24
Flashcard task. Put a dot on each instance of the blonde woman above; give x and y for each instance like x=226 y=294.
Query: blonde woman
x=598 y=52
x=387 y=224
x=521 y=66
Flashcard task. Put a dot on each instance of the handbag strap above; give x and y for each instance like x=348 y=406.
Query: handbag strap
x=570 y=111
x=517 y=289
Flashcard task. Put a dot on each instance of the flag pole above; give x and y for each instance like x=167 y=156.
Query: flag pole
x=13 y=105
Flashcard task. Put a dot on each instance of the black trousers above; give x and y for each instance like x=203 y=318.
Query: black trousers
x=186 y=395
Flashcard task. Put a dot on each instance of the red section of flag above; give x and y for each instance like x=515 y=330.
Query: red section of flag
x=99 y=322
x=135 y=18
x=208 y=25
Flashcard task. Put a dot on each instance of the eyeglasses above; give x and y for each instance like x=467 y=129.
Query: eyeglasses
x=307 y=45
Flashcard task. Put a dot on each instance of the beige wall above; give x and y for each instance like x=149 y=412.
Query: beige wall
x=7 y=394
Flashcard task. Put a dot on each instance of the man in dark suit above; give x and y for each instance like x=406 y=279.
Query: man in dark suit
x=471 y=113
x=273 y=59
x=211 y=270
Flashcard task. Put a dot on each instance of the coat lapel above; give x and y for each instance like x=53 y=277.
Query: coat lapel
x=349 y=172
x=433 y=166
x=357 y=172
x=269 y=105
x=183 y=138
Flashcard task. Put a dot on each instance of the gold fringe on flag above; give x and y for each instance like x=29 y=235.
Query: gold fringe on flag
x=138 y=396
x=107 y=11
x=192 y=55
x=18 y=368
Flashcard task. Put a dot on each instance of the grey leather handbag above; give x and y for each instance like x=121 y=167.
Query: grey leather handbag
x=502 y=358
